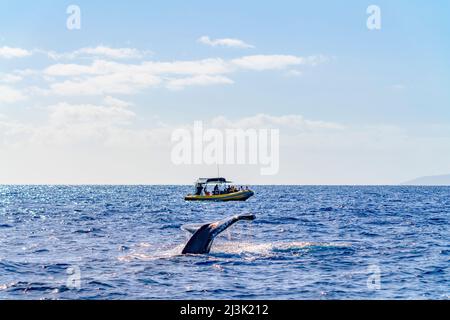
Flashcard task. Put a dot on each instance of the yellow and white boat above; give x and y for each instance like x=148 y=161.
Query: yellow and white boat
x=215 y=195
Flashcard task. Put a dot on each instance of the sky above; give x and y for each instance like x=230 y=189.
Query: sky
x=98 y=104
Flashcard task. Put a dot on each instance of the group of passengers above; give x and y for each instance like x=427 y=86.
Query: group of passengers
x=220 y=190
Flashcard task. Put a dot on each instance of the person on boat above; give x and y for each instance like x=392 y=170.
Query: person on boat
x=199 y=189
x=216 y=189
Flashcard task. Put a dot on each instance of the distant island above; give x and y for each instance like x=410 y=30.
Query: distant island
x=440 y=180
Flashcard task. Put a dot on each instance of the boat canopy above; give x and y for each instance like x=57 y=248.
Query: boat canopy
x=212 y=180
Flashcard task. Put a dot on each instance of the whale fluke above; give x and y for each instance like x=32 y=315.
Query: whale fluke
x=203 y=238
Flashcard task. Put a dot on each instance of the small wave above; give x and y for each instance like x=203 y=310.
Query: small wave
x=158 y=254
x=169 y=226
x=25 y=287
x=99 y=285
x=90 y=230
x=41 y=251
x=86 y=218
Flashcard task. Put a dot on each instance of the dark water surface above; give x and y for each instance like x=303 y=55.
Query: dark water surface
x=124 y=242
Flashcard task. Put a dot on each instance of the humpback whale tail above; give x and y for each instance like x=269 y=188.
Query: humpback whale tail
x=203 y=237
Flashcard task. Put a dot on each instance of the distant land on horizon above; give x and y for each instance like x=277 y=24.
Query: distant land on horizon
x=439 y=180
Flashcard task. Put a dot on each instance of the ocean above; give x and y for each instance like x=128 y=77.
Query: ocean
x=307 y=242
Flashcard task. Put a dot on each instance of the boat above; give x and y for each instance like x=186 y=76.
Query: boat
x=214 y=185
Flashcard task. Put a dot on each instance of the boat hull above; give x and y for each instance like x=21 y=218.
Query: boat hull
x=235 y=196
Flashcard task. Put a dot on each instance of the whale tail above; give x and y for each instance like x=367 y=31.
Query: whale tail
x=203 y=237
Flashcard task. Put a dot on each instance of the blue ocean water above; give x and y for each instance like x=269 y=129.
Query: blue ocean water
x=308 y=242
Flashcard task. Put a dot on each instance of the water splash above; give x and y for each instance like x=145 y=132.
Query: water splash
x=232 y=248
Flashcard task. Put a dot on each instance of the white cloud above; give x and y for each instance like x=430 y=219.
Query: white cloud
x=70 y=114
x=101 y=67
x=291 y=123
x=226 y=42
x=108 y=77
x=114 y=102
x=276 y=61
x=113 y=53
x=195 y=67
x=199 y=80
x=67 y=70
x=9 y=53
x=69 y=125
x=196 y=70
x=100 y=51
x=10 y=78
x=91 y=127
x=26 y=72
x=10 y=95
x=268 y=62
x=115 y=83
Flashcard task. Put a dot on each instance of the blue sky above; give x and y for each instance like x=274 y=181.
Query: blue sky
x=392 y=81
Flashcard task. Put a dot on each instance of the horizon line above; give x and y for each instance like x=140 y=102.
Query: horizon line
x=249 y=184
